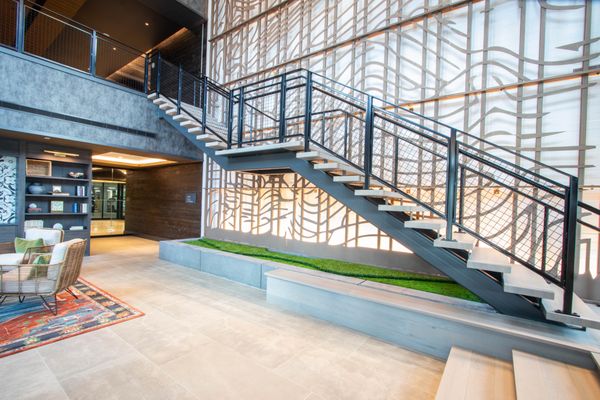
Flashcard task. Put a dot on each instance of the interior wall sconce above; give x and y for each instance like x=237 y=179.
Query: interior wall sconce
x=61 y=154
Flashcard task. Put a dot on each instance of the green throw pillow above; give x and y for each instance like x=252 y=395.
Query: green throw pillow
x=40 y=270
x=21 y=245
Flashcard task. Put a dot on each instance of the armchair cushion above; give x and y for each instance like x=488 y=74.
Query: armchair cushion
x=21 y=245
x=16 y=281
x=49 y=236
x=11 y=259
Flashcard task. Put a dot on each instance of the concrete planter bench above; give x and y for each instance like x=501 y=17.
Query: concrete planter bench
x=421 y=321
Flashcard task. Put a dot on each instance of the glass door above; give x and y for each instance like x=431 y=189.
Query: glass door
x=108 y=202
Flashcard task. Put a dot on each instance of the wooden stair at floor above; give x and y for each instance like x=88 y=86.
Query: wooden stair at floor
x=472 y=376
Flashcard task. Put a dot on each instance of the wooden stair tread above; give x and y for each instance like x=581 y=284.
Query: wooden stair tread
x=460 y=241
x=488 y=259
x=427 y=223
x=541 y=378
x=382 y=194
x=469 y=375
x=401 y=208
x=337 y=166
x=291 y=146
x=587 y=317
x=525 y=282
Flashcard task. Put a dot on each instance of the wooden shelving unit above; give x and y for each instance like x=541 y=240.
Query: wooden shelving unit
x=58 y=170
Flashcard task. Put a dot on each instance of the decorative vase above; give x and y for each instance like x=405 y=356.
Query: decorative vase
x=36 y=188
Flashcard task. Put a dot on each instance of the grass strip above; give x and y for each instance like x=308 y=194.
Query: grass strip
x=428 y=283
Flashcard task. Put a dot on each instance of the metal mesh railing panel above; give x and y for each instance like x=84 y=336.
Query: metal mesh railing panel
x=8 y=23
x=120 y=64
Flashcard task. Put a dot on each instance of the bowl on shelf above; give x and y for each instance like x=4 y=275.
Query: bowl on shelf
x=76 y=175
x=35 y=188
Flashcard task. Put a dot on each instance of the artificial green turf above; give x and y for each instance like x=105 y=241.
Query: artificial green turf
x=426 y=283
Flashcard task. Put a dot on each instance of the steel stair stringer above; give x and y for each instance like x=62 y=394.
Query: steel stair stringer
x=441 y=259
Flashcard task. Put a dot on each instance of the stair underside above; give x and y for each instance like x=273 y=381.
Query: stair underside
x=472 y=376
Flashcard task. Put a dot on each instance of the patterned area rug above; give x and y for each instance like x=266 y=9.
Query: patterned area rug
x=27 y=325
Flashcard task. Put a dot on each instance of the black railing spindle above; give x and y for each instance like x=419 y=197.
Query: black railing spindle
x=179 y=88
x=20 y=39
x=569 y=243
x=93 y=52
x=308 y=111
x=230 y=119
x=368 y=160
x=240 y=130
x=282 y=100
x=451 y=176
x=204 y=103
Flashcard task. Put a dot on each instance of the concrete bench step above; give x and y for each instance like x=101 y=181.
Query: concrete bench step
x=586 y=317
x=460 y=241
x=525 y=282
x=472 y=376
x=401 y=208
x=539 y=378
x=488 y=259
x=434 y=224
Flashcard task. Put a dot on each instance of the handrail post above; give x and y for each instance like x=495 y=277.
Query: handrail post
x=569 y=243
x=240 y=127
x=179 y=88
x=20 y=34
x=230 y=120
x=146 y=69
x=368 y=161
x=93 y=52
x=158 y=62
x=308 y=111
x=282 y=97
x=451 y=176
x=204 y=102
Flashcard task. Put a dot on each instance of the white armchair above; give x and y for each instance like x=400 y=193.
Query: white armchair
x=49 y=236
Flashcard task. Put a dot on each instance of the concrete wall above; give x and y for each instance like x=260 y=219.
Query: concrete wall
x=48 y=87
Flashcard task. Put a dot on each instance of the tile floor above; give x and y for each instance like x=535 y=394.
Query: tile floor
x=208 y=338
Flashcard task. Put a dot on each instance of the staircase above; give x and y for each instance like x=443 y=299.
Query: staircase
x=481 y=214
x=473 y=376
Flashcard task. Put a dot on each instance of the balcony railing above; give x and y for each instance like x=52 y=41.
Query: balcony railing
x=37 y=31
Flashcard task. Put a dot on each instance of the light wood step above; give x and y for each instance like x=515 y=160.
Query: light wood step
x=349 y=179
x=379 y=194
x=317 y=155
x=152 y=96
x=587 y=316
x=406 y=208
x=525 y=282
x=197 y=129
x=538 y=378
x=171 y=111
x=208 y=137
x=189 y=123
x=337 y=166
x=181 y=117
x=472 y=376
x=286 y=146
x=159 y=101
x=596 y=358
x=435 y=224
x=216 y=145
x=460 y=241
x=167 y=106
x=488 y=259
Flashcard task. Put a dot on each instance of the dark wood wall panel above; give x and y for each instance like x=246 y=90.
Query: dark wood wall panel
x=156 y=205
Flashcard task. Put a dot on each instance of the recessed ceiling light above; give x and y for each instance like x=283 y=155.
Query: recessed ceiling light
x=114 y=49
x=147 y=23
x=46 y=138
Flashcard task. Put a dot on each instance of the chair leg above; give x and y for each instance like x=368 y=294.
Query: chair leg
x=49 y=306
x=71 y=293
x=21 y=299
x=2 y=298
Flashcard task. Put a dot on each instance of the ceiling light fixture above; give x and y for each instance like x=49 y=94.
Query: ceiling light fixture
x=147 y=23
x=61 y=153
x=128 y=159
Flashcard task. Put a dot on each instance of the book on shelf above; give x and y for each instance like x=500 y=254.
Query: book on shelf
x=81 y=191
x=76 y=228
x=75 y=208
x=84 y=208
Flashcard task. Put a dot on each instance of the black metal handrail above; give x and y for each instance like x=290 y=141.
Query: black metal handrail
x=295 y=105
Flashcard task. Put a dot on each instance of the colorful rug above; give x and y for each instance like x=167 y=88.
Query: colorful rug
x=27 y=325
